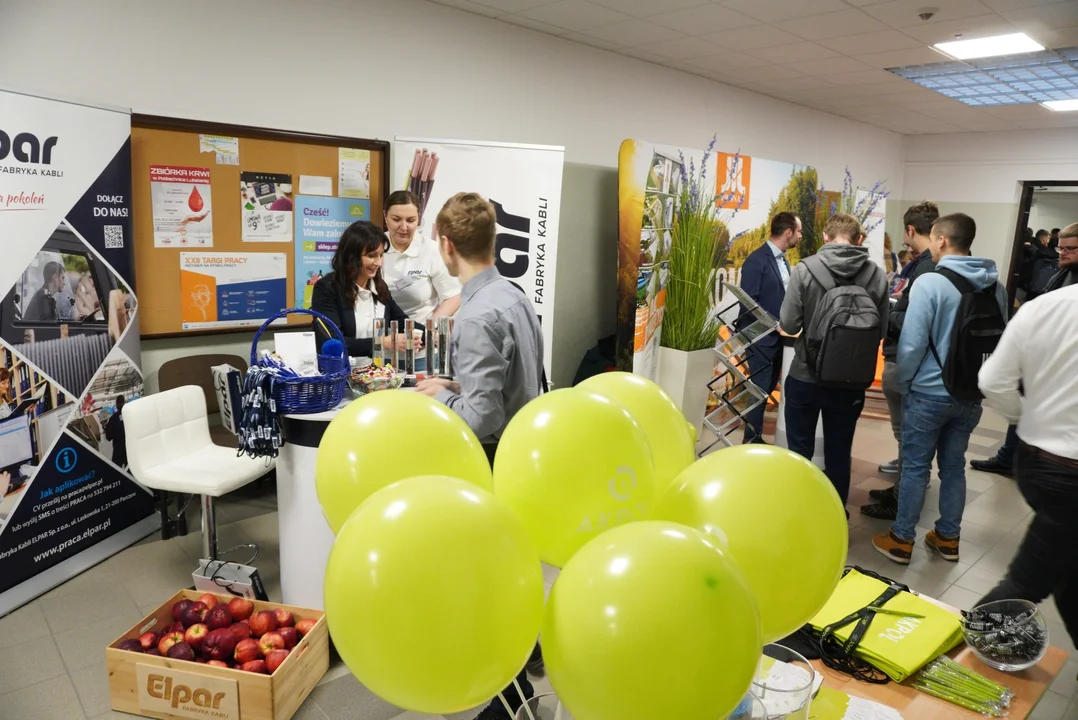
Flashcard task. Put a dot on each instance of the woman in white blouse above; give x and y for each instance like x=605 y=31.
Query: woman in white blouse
x=355 y=293
x=414 y=271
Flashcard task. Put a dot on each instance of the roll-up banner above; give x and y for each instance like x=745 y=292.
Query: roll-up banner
x=69 y=343
x=523 y=182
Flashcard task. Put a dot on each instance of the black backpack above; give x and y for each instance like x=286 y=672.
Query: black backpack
x=978 y=325
x=843 y=338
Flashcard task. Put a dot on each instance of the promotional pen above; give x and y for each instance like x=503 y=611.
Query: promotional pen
x=394 y=353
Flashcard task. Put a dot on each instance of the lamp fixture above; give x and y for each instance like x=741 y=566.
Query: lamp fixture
x=1062 y=105
x=1013 y=44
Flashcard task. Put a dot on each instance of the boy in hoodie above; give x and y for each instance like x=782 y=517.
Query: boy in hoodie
x=844 y=257
x=934 y=423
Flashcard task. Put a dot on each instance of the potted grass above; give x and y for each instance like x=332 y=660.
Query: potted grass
x=700 y=241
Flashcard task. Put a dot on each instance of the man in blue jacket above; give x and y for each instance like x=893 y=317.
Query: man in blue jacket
x=934 y=423
x=764 y=278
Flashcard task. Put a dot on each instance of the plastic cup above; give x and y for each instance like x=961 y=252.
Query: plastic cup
x=784 y=687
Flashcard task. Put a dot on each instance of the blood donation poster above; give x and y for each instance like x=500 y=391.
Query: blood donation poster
x=69 y=343
x=231 y=289
x=319 y=224
x=181 y=206
x=650 y=179
x=523 y=182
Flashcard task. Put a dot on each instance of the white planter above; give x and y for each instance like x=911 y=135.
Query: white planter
x=685 y=375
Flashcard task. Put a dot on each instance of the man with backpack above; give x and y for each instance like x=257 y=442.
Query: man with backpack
x=837 y=300
x=955 y=318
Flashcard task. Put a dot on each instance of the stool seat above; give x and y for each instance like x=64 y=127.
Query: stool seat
x=211 y=470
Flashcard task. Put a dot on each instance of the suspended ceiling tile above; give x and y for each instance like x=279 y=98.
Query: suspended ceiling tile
x=786 y=54
x=750 y=38
x=794 y=85
x=532 y=24
x=832 y=66
x=474 y=7
x=904 y=13
x=728 y=63
x=769 y=72
x=779 y=10
x=647 y=8
x=1062 y=14
x=902 y=58
x=703 y=19
x=862 y=77
x=512 y=6
x=633 y=32
x=872 y=42
x=575 y=15
x=684 y=48
x=969 y=28
x=832 y=25
x=1005 y=5
x=591 y=40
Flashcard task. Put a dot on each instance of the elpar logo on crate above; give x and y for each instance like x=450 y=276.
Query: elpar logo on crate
x=182 y=694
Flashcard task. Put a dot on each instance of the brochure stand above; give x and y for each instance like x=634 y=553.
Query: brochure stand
x=733 y=388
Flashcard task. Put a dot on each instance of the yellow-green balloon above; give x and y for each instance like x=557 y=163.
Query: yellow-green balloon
x=781 y=520
x=651 y=621
x=571 y=465
x=670 y=435
x=434 y=595
x=388 y=436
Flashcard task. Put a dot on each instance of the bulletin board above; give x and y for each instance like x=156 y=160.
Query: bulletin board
x=160 y=142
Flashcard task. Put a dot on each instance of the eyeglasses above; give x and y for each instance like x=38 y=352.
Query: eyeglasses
x=1061 y=249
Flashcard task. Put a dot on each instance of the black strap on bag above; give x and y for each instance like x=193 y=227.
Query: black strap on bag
x=840 y=656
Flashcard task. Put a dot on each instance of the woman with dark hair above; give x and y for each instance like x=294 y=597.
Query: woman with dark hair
x=414 y=268
x=5 y=389
x=355 y=293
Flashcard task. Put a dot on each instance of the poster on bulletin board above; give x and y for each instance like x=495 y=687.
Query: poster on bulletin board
x=319 y=224
x=232 y=289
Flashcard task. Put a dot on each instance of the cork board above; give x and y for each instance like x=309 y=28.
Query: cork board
x=157 y=141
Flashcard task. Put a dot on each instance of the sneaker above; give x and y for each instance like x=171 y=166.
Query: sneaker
x=992 y=465
x=880 y=511
x=946 y=547
x=892 y=548
x=889 y=468
x=885 y=495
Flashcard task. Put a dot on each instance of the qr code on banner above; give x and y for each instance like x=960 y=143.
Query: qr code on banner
x=114 y=237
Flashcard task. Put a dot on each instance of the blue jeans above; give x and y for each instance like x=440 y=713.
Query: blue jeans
x=1005 y=454
x=841 y=408
x=940 y=427
x=765 y=365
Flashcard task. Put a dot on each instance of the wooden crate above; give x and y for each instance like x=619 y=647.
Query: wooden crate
x=139 y=684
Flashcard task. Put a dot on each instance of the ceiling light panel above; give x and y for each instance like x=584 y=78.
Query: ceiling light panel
x=996 y=46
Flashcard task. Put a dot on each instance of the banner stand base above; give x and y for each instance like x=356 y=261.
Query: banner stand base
x=57 y=575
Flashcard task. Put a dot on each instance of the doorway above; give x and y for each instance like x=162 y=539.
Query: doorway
x=1045 y=205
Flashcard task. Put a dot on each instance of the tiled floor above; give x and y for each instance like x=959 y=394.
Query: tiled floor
x=52 y=665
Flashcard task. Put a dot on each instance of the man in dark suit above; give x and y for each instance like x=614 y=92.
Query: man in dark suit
x=764 y=277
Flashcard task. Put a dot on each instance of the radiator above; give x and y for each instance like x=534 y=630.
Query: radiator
x=71 y=361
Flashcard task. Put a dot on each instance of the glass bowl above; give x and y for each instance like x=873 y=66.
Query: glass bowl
x=1008 y=635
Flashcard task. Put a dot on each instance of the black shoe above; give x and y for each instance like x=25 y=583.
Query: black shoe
x=880 y=511
x=885 y=495
x=992 y=465
x=536 y=667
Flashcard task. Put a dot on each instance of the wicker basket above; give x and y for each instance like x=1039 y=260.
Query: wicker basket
x=314 y=394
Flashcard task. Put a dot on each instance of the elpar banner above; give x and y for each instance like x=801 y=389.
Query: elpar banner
x=523 y=182
x=69 y=343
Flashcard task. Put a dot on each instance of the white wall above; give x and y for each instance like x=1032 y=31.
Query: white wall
x=376 y=69
x=981 y=174
x=1053 y=210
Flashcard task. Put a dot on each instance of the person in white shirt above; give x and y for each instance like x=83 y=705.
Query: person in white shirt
x=1038 y=350
x=413 y=269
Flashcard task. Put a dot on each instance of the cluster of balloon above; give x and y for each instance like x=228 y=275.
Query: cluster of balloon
x=674 y=571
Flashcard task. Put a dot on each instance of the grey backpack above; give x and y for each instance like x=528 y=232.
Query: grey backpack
x=842 y=341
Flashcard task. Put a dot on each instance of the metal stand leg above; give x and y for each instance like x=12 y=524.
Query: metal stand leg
x=209 y=528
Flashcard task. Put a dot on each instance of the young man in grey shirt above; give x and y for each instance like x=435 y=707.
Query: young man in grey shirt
x=497 y=352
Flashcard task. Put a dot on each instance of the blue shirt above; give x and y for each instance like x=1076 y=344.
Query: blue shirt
x=784 y=267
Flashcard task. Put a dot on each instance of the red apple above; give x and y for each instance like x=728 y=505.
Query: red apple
x=209 y=600
x=274 y=660
x=194 y=614
x=149 y=640
x=217 y=663
x=241 y=608
x=246 y=651
x=219 y=645
x=171 y=628
x=201 y=660
x=154 y=651
x=218 y=617
x=291 y=637
x=167 y=641
x=181 y=651
x=241 y=631
x=269 y=642
x=284 y=618
x=132 y=645
x=255 y=666
x=262 y=622
x=195 y=635
x=304 y=626
x=179 y=607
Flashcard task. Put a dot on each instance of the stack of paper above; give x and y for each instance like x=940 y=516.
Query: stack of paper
x=834 y=705
x=898 y=642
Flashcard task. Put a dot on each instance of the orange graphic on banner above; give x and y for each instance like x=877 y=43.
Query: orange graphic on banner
x=198 y=297
x=640 y=334
x=736 y=174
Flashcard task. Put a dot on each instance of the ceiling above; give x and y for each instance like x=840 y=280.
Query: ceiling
x=830 y=55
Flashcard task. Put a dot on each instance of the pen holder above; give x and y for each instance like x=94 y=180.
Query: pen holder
x=431 y=339
x=394 y=353
x=409 y=347
x=379 y=358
